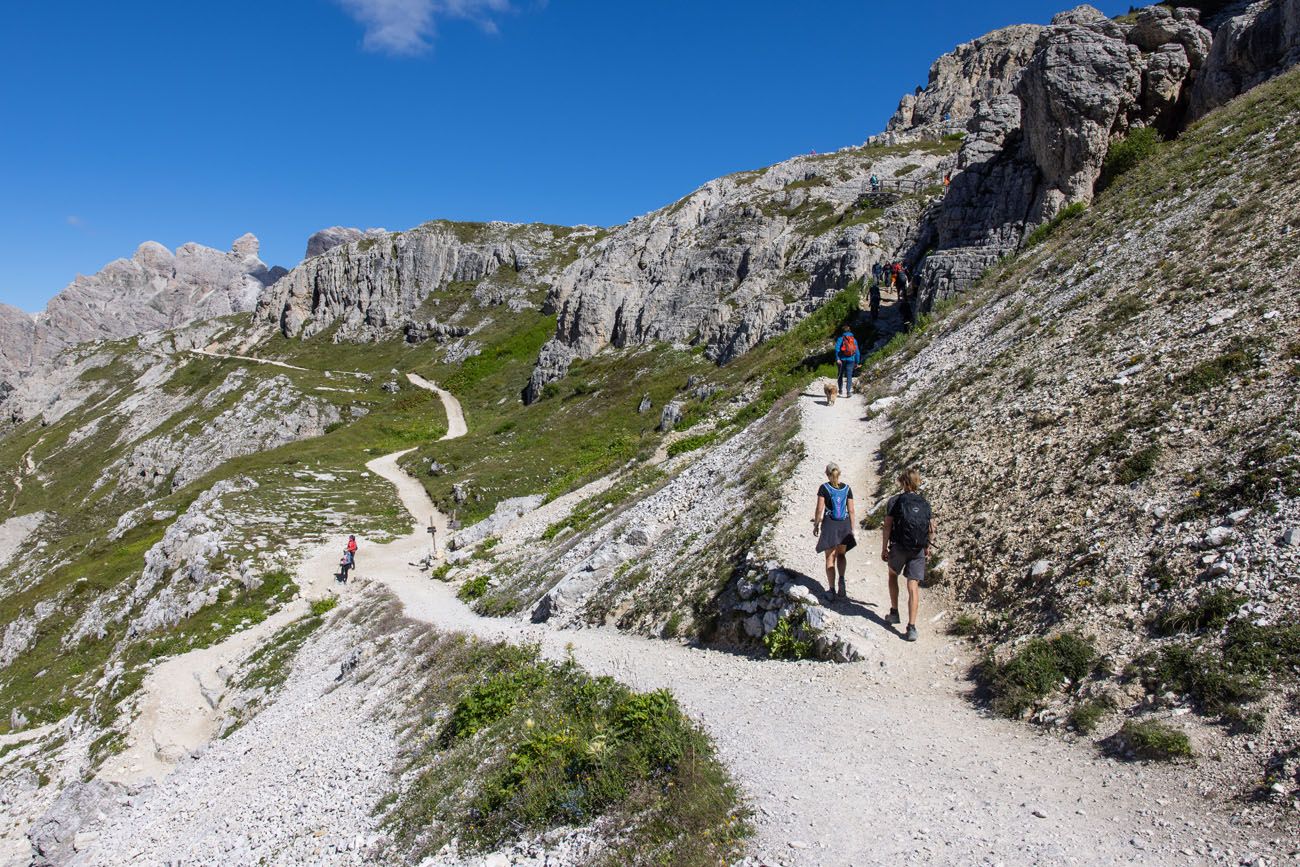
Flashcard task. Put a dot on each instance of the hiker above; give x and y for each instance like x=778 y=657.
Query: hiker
x=877 y=272
x=346 y=563
x=833 y=527
x=847 y=357
x=875 y=183
x=905 y=310
x=874 y=295
x=905 y=544
x=352 y=546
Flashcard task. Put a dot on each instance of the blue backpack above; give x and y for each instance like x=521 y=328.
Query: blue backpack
x=838 y=510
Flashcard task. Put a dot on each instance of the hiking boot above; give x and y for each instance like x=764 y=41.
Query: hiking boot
x=911 y=632
x=893 y=618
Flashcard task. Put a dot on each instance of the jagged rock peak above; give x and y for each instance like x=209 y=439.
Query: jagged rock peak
x=973 y=72
x=246 y=245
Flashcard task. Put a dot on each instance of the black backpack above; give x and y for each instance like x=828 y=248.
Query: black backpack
x=911 y=530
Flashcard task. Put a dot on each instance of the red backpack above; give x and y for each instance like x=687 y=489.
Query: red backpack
x=848 y=346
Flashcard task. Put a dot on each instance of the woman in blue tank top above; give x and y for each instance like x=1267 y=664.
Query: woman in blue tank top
x=833 y=526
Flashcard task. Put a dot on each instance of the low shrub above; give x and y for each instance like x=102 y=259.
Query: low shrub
x=1201 y=675
x=1139 y=145
x=1036 y=671
x=1086 y=714
x=965 y=625
x=785 y=642
x=1211 y=611
x=1150 y=740
x=473 y=588
x=1138 y=465
x=532 y=745
x=1214 y=372
x=1043 y=232
x=321 y=607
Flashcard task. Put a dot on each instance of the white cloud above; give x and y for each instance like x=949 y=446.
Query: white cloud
x=406 y=27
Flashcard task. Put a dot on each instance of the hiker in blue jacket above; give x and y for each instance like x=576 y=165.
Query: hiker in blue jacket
x=847 y=357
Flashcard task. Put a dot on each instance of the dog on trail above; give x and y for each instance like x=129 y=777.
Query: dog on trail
x=831 y=393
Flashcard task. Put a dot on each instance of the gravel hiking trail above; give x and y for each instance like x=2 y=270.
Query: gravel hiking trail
x=879 y=761
x=179 y=703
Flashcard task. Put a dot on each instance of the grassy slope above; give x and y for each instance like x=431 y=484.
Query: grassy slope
x=294 y=492
x=1034 y=451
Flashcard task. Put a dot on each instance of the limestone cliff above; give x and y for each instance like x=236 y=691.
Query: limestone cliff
x=372 y=285
x=1042 y=106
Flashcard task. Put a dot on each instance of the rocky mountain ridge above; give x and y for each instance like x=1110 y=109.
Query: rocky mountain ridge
x=155 y=289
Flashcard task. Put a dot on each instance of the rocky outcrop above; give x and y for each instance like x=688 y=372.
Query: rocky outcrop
x=741 y=259
x=178 y=577
x=17 y=333
x=327 y=239
x=439 y=332
x=1259 y=42
x=272 y=413
x=1038 y=142
x=972 y=73
x=54 y=835
x=372 y=286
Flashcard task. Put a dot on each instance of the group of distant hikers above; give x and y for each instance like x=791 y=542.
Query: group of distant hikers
x=894 y=276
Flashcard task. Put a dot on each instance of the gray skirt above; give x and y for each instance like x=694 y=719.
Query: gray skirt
x=834 y=534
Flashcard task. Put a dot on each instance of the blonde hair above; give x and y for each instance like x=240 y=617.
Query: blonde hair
x=910 y=479
x=833 y=472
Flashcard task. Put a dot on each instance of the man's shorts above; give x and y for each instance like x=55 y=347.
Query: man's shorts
x=909 y=564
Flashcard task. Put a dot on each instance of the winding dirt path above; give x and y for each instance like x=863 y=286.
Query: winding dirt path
x=180 y=700
x=879 y=761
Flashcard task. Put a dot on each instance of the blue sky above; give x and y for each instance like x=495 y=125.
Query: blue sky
x=151 y=120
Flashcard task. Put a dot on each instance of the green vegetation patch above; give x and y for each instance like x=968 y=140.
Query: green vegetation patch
x=965 y=625
x=1210 y=611
x=1086 y=715
x=473 y=589
x=1150 y=740
x=530 y=745
x=693 y=443
x=1045 y=231
x=1219 y=675
x=1124 y=155
x=1138 y=465
x=1036 y=671
x=1214 y=372
x=786 y=641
